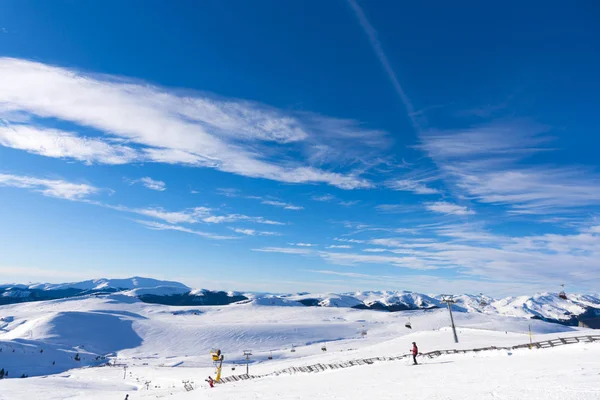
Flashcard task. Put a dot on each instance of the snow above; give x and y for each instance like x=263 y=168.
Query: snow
x=157 y=291
x=166 y=345
x=103 y=284
x=328 y=299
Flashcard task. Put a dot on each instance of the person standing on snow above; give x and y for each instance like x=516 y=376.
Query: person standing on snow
x=211 y=382
x=415 y=351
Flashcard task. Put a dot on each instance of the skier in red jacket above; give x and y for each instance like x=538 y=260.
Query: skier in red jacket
x=210 y=381
x=415 y=351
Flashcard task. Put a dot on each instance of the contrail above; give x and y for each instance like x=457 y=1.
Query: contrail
x=377 y=48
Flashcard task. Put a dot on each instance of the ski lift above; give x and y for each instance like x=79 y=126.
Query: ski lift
x=408 y=325
x=562 y=294
x=293 y=349
x=270 y=355
x=324 y=348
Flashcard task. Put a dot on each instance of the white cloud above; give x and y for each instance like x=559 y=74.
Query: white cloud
x=59 y=144
x=219 y=219
x=50 y=187
x=355 y=241
x=254 y=232
x=302 y=244
x=158 y=125
x=353 y=259
x=324 y=198
x=162 y=227
x=339 y=246
x=282 y=204
x=473 y=252
x=150 y=183
x=283 y=250
x=444 y=207
x=189 y=216
x=410 y=185
x=425 y=283
x=485 y=163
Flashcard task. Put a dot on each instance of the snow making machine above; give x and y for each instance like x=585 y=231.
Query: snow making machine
x=217 y=358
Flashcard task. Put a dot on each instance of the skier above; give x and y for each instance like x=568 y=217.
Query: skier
x=211 y=382
x=126 y=397
x=415 y=351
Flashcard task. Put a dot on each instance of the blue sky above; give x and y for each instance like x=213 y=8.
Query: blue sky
x=290 y=146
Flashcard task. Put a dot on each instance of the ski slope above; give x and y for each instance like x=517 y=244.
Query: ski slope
x=166 y=345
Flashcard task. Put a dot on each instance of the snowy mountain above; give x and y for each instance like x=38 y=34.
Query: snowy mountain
x=107 y=285
x=544 y=306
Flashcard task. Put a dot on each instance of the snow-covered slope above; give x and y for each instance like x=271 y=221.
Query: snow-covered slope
x=166 y=345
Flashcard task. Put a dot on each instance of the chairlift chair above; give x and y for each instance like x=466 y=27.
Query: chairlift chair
x=562 y=294
x=408 y=324
x=270 y=355
x=324 y=348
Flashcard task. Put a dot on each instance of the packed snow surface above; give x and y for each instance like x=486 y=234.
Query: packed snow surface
x=163 y=346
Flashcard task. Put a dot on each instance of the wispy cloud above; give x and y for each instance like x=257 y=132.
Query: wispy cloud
x=329 y=198
x=271 y=201
x=141 y=123
x=60 y=144
x=152 y=184
x=412 y=185
x=220 y=219
x=283 y=250
x=485 y=163
x=254 y=232
x=339 y=246
x=286 y=206
x=50 y=187
x=167 y=227
x=324 y=197
x=444 y=207
x=303 y=244
x=188 y=216
x=351 y=259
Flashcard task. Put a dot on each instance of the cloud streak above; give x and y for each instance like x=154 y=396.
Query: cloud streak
x=135 y=122
x=152 y=184
x=57 y=188
x=444 y=207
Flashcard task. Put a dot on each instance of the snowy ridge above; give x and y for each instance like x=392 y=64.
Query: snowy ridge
x=108 y=284
x=546 y=306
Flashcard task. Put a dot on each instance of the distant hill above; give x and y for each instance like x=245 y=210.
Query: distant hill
x=544 y=306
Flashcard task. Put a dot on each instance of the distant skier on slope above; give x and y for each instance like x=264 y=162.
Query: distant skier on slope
x=211 y=382
x=415 y=351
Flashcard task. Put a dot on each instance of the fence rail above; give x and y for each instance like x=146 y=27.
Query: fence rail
x=432 y=354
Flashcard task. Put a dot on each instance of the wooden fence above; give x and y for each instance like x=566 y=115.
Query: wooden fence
x=432 y=354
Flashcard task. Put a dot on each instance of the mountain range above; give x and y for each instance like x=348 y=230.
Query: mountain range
x=545 y=306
